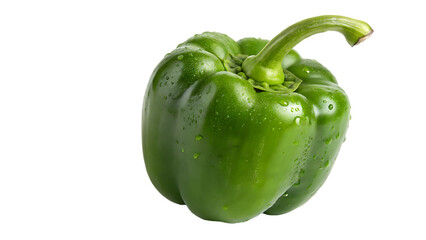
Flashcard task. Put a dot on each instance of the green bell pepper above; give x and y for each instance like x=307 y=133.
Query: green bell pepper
x=236 y=129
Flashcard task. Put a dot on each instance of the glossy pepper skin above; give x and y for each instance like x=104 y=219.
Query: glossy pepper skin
x=236 y=129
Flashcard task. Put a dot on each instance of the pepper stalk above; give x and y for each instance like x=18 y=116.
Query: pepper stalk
x=265 y=67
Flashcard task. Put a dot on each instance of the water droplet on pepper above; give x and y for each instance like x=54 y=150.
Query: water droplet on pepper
x=284 y=103
x=297 y=120
x=327 y=163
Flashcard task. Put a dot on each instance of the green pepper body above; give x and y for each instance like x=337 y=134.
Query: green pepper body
x=230 y=151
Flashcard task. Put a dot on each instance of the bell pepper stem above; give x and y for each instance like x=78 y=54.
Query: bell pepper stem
x=266 y=65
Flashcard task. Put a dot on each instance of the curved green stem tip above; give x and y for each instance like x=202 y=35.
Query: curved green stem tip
x=266 y=66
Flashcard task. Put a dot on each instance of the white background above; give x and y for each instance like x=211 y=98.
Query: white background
x=72 y=79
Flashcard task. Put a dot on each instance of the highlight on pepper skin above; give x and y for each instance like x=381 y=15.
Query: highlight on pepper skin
x=233 y=129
